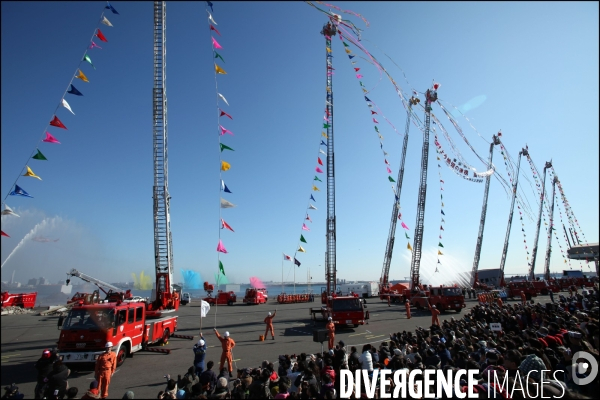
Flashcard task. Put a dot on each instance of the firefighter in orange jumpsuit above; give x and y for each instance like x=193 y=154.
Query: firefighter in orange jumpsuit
x=106 y=364
x=523 y=298
x=227 y=344
x=331 y=332
x=499 y=302
x=407 y=305
x=434 y=315
x=269 y=322
x=389 y=305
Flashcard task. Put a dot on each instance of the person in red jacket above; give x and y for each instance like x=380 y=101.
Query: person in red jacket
x=227 y=345
x=434 y=315
x=331 y=331
x=407 y=305
x=93 y=392
x=269 y=323
x=106 y=365
x=523 y=298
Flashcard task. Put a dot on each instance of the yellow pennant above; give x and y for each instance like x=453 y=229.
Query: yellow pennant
x=82 y=77
x=408 y=246
x=329 y=90
x=328 y=49
x=220 y=70
x=440 y=253
x=380 y=137
x=365 y=90
x=324 y=134
x=225 y=165
x=31 y=174
x=301 y=250
x=348 y=51
x=316 y=189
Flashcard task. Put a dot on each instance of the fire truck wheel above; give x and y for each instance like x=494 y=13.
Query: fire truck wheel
x=230 y=303
x=122 y=354
x=458 y=310
x=165 y=337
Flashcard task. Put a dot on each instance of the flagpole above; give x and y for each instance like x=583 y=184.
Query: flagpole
x=294 y=278
x=282 y=275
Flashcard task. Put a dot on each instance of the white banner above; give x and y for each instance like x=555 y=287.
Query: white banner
x=204 y=309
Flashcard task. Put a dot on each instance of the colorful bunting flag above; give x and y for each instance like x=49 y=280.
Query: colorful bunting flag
x=317 y=179
x=88 y=59
x=212 y=28
x=221 y=248
x=325 y=126
x=302 y=239
x=224 y=187
x=94 y=45
x=210 y=18
x=440 y=244
x=39 y=156
x=224 y=131
x=225 y=165
x=226 y=204
x=106 y=22
x=404 y=225
x=100 y=36
x=296 y=262
x=305 y=228
x=30 y=173
x=311 y=207
x=316 y=189
x=56 y=122
x=82 y=76
x=8 y=211
x=66 y=105
x=319 y=161
x=223 y=113
x=440 y=253
x=50 y=139
x=319 y=170
x=408 y=246
x=391 y=179
x=224 y=147
x=2 y=233
x=323 y=143
x=74 y=91
x=301 y=250
x=220 y=70
x=322 y=152
x=221 y=269
x=111 y=8
x=308 y=218
x=443 y=212
x=406 y=234
x=374 y=120
x=225 y=225
x=223 y=97
x=312 y=198
x=216 y=44
x=359 y=76
x=20 y=192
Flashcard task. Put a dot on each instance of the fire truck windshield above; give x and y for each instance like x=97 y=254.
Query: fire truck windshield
x=452 y=292
x=88 y=319
x=352 y=304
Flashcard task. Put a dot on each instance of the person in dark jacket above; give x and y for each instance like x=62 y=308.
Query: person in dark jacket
x=208 y=379
x=43 y=367
x=57 y=381
x=199 y=350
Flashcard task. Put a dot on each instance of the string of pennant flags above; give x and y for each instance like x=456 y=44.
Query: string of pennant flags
x=47 y=137
x=566 y=260
x=442 y=214
x=220 y=276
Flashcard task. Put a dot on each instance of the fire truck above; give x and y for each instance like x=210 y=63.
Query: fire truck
x=255 y=296
x=222 y=298
x=131 y=325
x=514 y=289
x=25 y=300
x=443 y=297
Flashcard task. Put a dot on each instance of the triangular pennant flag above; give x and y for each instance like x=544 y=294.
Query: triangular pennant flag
x=225 y=225
x=100 y=36
x=20 y=192
x=312 y=198
x=302 y=239
x=8 y=211
x=224 y=147
x=323 y=143
x=220 y=70
x=106 y=22
x=50 y=139
x=404 y=226
x=308 y=218
x=316 y=189
x=224 y=187
x=225 y=130
x=226 y=204
x=223 y=97
x=305 y=228
x=389 y=170
x=111 y=8
x=348 y=51
x=82 y=76
x=30 y=173
x=319 y=170
x=317 y=179
x=311 y=207
x=367 y=99
x=94 y=45
x=216 y=44
x=408 y=246
x=359 y=76
x=319 y=161
x=391 y=179
x=301 y=250
x=56 y=122
x=374 y=120
x=328 y=49
x=346 y=44
x=326 y=126
x=212 y=28
x=208 y=3
x=322 y=152
x=225 y=165
x=441 y=228
x=74 y=91
x=221 y=269
x=67 y=106
x=440 y=244
x=2 y=233
x=210 y=18
x=440 y=253
x=351 y=56
x=88 y=59
x=406 y=234
x=221 y=248
x=296 y=262
x=223 y=113
x=39 y=156
x=443 y=212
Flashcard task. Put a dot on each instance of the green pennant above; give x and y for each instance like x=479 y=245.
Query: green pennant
x=326 y=126
x=221 y=269
x=376 y=128
x=361 y=84
x=302 y=239
x=440 y=244
x=391 y=179
x=406 y=234
x=217 y=55
x=442 y=196
x=317 y=179
x=346 y=44
x=39 y=156
x=223 y=147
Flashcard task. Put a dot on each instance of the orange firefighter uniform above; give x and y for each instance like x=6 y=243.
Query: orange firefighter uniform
x=269 y=322
x=523 y=298
x=388 y=299
x=331 y=333
x=407 y=305
x=227 y=345
x=499 y=302
x=106 y=364
x=434 y=315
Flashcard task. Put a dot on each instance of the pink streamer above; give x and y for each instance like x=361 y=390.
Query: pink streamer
x=389 y=170
x=319 y=170
x=374 y=120
x=50 y=139
x=216 y=45
x=220 y=247
x=359 y=76
x=404 y=226
x=305 y=228
x=225 y=130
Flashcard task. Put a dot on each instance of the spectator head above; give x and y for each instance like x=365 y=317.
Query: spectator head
x=171 y=384
x=264 y=364
x=72 y=392
x=341 y=343
x=210 y=364
x=128 y=395
x=533 y=364
x=94 y=384
x=222 y=383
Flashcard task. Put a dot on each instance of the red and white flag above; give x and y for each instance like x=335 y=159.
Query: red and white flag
x=286 y=257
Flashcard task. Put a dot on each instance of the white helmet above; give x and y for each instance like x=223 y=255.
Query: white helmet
x=201 y=342
x=108 y=344
x=269 y=314
x=329 y=319
x=226 y=334
x=432 y=306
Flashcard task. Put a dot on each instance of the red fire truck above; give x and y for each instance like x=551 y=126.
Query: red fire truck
x=255 y=296
x=131 y=325
x=343 y=310
x=222 y=298
x=443 y=297
x=25 y=300
x=514 y=289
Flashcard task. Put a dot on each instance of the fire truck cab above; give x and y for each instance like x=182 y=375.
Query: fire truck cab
x=443 y=297
x=255 y=296
x=514 y=289
x=343 y=310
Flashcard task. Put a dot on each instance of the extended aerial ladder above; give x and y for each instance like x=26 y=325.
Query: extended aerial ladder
x=495 y=141
x=550 y=228
x=531 y=274
x=525 y=153
x=90 y=279
x=430 y=97
x=165 y=297
x=389 y=249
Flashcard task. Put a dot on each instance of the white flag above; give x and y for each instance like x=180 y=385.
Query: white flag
x=223 y=98
x=106 y=22
x=311 y=207
x=322 y=152
x=226 y=204
x=204 y=309
x=66 y=105
x=8 y=211
x=211 y=19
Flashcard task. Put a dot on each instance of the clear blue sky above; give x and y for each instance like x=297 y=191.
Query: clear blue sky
x=536 y=63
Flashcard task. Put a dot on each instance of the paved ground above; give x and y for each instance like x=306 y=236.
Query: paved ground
x=25 y=336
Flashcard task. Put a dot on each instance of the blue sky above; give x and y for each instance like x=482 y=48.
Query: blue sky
x=536 y=63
